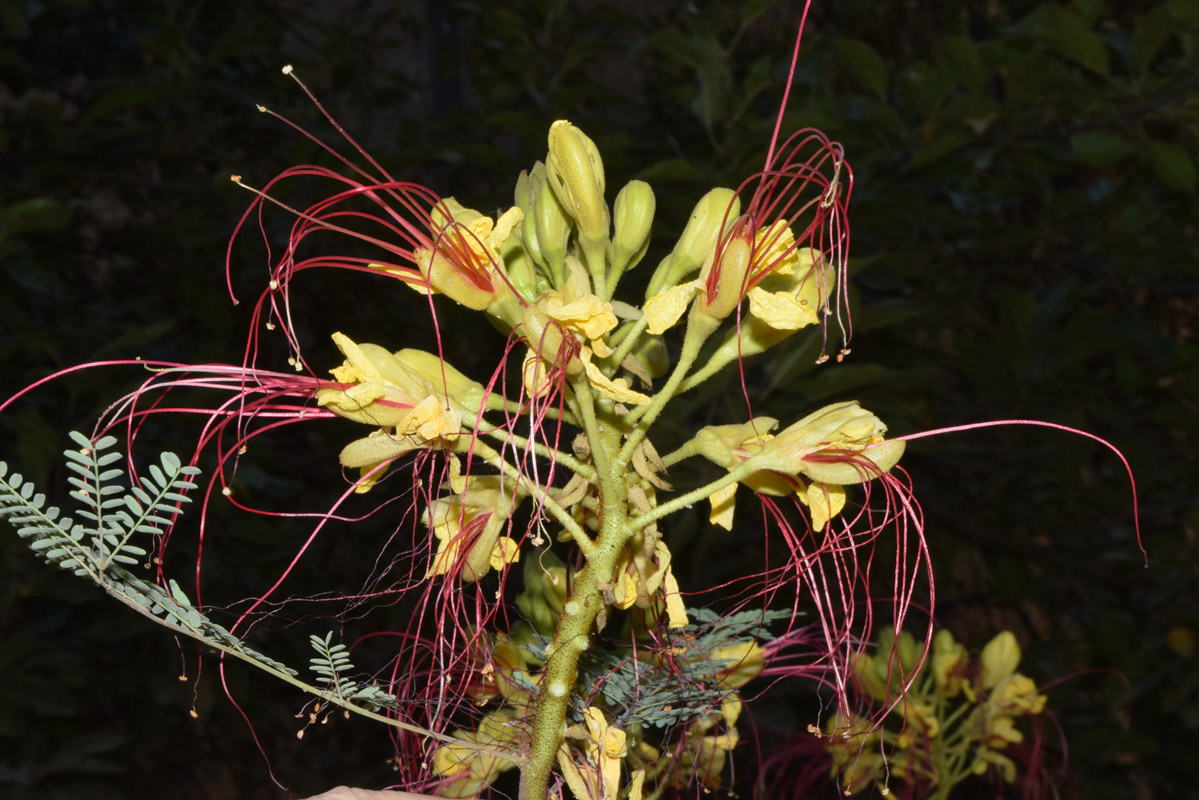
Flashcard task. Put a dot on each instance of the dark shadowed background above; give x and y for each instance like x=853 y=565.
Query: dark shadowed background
x=1025 y=246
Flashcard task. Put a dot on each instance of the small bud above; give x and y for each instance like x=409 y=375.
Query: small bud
x=634 y=215
x=576 y=173
x=652 y=355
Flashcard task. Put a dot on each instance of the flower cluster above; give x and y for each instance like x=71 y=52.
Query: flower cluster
x=951 y=715
x=597 y=371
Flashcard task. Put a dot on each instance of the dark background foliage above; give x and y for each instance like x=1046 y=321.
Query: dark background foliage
x=1024 y=233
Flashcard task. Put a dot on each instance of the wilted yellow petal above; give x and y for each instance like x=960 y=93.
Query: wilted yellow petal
x=676 y=612
x=738 y=664
x=635 y=783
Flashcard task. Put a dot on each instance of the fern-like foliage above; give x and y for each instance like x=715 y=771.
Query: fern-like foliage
x=331 y=661
x=119 y=526
x=116 y=518
x=112 y=513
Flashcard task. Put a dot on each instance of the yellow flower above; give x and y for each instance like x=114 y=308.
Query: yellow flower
x=730 y=445
x=840 y=444
x=474 y=518
x=466 y=265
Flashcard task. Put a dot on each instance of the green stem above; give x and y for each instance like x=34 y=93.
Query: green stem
x=287 y=677
x=628 y=338
x=548 y=453
x=699 y=328
x=741 y=471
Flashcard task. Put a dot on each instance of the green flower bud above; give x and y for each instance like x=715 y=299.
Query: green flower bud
x=651 y=353
x=548 y=227
x=634 y=214
x=576 y=174
x=698 y=240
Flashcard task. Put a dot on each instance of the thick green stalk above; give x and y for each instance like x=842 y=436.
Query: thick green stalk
x=573 y=634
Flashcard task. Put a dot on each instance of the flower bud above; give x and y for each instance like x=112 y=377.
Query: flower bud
x=576 y=173
x=651 y=354
x=547 y=228
x=715 y=211
x=634 y=215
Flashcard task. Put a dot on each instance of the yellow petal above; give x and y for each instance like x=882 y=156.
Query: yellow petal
x=664 y=310
x=506 y=551
x=676 y=612
x=430 y=420
x=617 y=389
x=586 y=314
x=723 y=503
x=825 y=502
x=781 y=310
x=635 y=783
x=737 y=664
x=508 y=221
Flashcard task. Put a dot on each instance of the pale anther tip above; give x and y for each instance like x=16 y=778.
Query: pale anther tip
x=235 y=178
x=261 y=107
x=287 y=70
